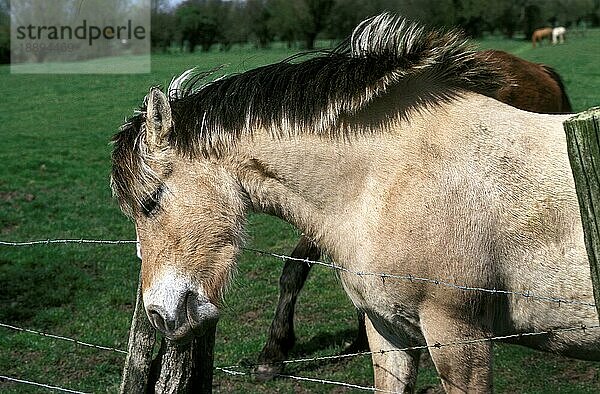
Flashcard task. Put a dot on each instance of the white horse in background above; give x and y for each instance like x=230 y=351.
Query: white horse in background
x=558 y=33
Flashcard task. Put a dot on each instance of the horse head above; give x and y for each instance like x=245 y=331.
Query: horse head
x=188 y=220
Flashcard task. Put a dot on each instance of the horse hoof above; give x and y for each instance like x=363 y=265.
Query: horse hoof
x=265 y=372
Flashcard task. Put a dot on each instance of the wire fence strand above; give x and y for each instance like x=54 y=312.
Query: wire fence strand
x=67 y=241
x=59 y=337
x=233 y=372
x=46 y=386
x=413 y=278
x=528 y=294
x=332 y=382
x=436 y=345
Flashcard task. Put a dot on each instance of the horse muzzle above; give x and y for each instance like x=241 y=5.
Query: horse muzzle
x=179 y=312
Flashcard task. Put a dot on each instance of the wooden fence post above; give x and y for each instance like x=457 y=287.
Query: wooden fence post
x=186 y=368
x=583 y=145
x=139 y=350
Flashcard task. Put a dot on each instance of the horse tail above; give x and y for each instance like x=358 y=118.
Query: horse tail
x=566 y=107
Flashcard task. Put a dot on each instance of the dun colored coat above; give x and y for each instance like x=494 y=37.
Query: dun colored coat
x=387 y=154
x=529 y=86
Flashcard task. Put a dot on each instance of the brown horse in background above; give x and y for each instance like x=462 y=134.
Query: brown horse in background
x=534 y=87
x=540 y=34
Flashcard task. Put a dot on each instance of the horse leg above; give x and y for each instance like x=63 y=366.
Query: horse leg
x=281 y=333
x=462 y=368
x=395 y=371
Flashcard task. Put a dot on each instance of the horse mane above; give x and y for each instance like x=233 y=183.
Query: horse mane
x=318 y=92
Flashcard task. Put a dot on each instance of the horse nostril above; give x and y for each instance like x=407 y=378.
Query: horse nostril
x=179 y=317
x=157 y=320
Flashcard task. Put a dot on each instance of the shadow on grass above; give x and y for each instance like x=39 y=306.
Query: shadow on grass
x=30 y=289
x=321 y=341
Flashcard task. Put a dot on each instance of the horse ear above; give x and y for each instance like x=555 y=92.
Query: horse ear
x=158 y=119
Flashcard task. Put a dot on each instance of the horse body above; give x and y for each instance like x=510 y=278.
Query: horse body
x=446 y=197
x=558 y=35
x=540 y=34
x=490 y=204
x=534 y=87
x=415 y=174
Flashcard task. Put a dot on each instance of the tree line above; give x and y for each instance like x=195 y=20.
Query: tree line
x=205 y=24
x=192 y=25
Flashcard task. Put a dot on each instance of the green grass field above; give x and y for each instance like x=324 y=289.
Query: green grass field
x=54 y=176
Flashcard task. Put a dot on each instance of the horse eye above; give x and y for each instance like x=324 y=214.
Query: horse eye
x=152 y=203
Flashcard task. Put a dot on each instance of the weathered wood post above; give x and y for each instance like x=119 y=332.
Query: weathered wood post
x=186 y=368
x=139 y=350
x=583 y=145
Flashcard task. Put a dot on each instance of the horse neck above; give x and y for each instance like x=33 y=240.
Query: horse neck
x=321 y=186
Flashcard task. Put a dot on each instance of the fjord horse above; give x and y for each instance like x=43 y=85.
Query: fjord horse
x=539 y=35
x=532 y=87
x=388 y=155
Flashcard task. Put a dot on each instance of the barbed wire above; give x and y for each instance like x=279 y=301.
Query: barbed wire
x=437 y=345
x=333 y=382
x=62 y=338
x=234 y=369
x=233 y=372
x=46 y=386
x=413 y=278
x=529 y=294
x=67 y=241
x=582 y=327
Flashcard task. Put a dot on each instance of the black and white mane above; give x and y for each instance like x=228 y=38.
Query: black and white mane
x=316 y=93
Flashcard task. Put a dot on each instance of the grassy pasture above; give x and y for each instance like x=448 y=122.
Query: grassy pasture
x=54 y=184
